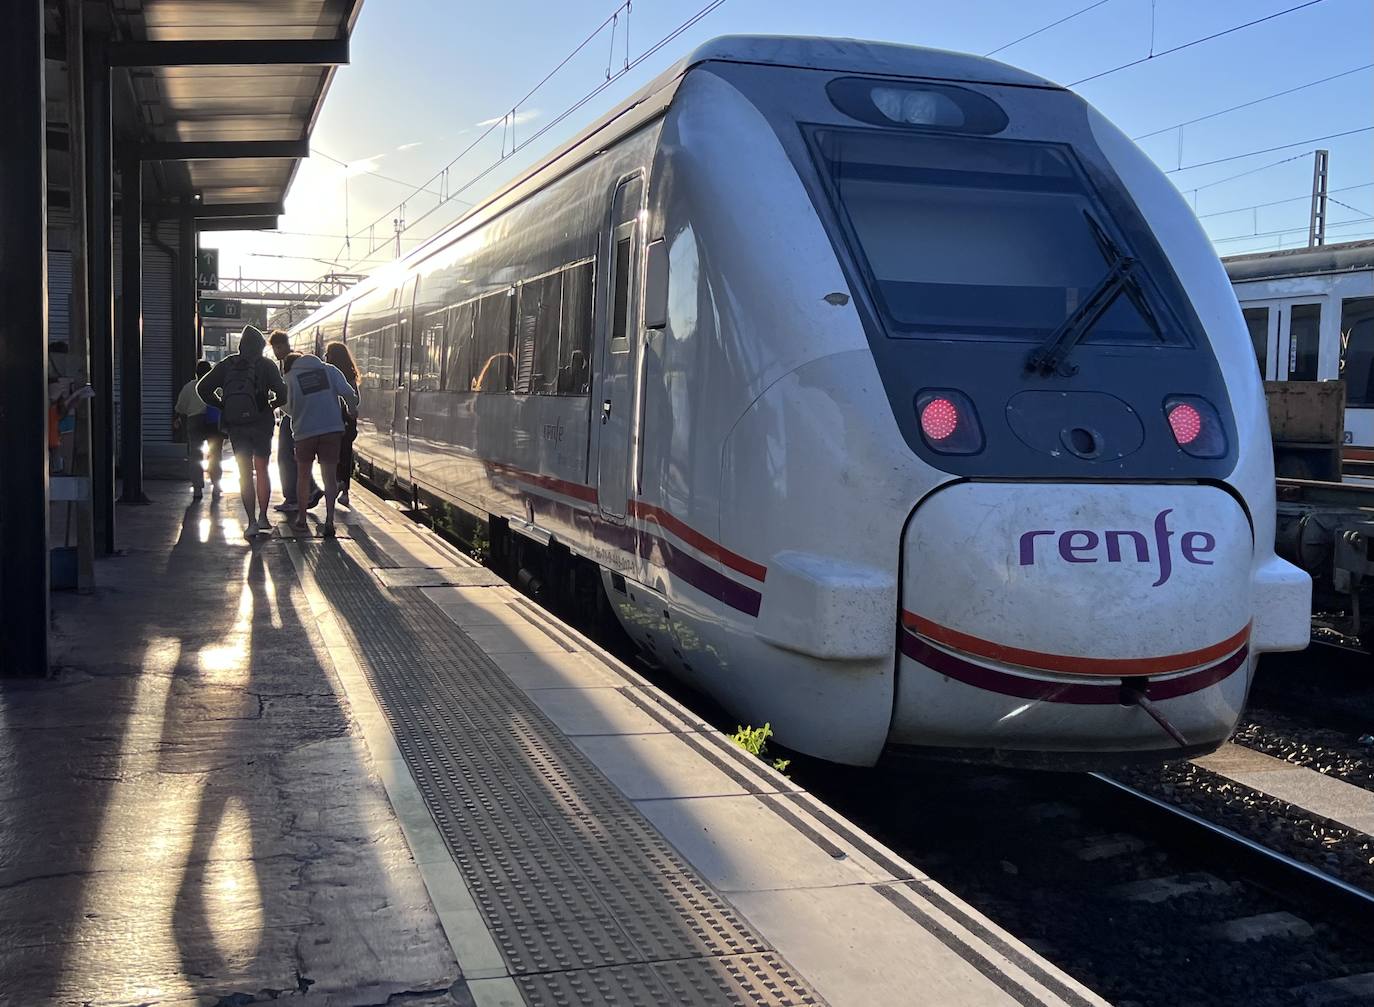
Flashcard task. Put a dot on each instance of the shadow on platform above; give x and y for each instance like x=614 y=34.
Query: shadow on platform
x=185 y=814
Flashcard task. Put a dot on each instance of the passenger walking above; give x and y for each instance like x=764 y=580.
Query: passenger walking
x=286 y=443
x=200 y=422
x=338 y=354
x=246 y=387
x=314 y=389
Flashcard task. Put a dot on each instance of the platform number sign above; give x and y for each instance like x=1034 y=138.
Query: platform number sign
x=207 y=269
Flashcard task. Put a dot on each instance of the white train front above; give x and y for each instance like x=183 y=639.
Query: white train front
x=890 y=395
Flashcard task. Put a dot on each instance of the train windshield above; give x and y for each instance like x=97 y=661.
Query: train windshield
x=974 y=238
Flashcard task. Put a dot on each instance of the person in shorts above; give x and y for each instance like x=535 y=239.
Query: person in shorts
x=201 y=425
x=246 y=387
x=314 y=390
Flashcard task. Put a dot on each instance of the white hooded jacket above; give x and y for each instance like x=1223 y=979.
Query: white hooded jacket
x=313 y=391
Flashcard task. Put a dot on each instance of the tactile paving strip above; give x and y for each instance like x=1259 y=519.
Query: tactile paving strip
x=586 y=900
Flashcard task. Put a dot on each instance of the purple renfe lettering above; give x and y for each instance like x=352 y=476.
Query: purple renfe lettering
x=1162 y=536
x=1142 y=547
x=1190 y=551
x=1069 y=552
x=1028 y=546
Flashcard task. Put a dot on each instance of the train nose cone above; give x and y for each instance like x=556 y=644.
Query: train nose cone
x=1023 y=605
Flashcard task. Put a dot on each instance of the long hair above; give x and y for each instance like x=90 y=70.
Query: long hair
x=337 y=353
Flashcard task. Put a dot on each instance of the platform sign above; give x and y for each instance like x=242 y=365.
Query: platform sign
x=216 y=337
x=220 y=307
x=207 y=269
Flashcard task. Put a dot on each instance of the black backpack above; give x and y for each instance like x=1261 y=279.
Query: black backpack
x=242 y=398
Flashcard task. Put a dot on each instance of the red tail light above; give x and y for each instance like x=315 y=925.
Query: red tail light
x=949 y=423
x=939 y=419
x=1195 y=425
x=1186 y=423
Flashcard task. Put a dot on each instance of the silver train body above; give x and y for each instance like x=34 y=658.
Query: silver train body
x=857 y=374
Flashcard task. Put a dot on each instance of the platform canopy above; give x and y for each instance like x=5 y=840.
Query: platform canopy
x=220 y=96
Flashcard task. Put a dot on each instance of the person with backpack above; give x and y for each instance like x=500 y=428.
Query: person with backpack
x=314 y=391
x=200 y=422
x=247 y=387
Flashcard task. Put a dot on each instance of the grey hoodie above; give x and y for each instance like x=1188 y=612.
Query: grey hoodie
x=313 y=391
x=251 y=345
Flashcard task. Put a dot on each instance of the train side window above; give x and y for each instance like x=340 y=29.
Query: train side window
x=620 y=304
x=575 y=330
x=493 y=343
x=1357 y=350
x=1257 y=321
x=1304 y=329
x=458 y=338
x=536 y=357
x=429 y=367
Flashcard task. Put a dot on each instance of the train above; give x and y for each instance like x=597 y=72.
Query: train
x=1310 y=315
x=888 y=395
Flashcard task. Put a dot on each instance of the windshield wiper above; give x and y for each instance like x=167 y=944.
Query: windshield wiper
x=1050 y=356
x=1135 y=290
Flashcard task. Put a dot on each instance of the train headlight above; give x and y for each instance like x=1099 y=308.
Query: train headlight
x=949 y=423
x=1195 y=425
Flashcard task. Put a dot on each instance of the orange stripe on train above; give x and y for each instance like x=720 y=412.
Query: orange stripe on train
x=1113 y=666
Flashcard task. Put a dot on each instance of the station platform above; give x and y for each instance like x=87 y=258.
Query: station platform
x=364 y=770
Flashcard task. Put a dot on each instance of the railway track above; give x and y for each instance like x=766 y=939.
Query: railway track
x=1275 y=870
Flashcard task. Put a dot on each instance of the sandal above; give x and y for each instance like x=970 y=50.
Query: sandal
x=300 y=526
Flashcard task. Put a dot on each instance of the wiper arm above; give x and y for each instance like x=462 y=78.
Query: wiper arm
x=1049 y=357
x=1134 y=288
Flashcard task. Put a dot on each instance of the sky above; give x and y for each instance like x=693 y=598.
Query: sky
x=429 y=77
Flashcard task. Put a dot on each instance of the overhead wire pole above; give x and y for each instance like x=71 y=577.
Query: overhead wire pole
x=1316 y=231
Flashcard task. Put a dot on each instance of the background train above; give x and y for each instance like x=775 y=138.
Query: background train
x=889 y=395
x=1310 y=312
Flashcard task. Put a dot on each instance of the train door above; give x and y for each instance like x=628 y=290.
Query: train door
x=1287 y=336
x=1263 y=323
x=1300 y=356
x=618 y=341
x=400 y=418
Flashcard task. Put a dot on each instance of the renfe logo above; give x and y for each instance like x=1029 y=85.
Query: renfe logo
x=1082 y=546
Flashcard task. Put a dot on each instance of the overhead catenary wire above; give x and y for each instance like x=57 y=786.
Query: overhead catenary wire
x=1279 y=202
x=416 y=189
x=1247 y=104
x=1270 y=150
x=1196 y=41
x=1346 y=205
x=571 y=109
x=500 y=122
x=1052 y=24
x=1293 y=230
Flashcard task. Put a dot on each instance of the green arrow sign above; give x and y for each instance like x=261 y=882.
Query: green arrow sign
x=220 y=307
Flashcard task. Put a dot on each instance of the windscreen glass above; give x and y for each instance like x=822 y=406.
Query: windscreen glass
x=973 y=238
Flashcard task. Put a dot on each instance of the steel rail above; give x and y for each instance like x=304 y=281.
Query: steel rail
x=1278 y=871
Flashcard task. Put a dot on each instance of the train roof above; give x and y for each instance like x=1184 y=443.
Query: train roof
x=1346 y=257
x=847 y=55
x=839 y=55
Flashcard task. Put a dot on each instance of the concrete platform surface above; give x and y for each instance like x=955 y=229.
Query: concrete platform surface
x=838 y=912
x=362 y=771
x=1341 y=802
x=186 y=816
